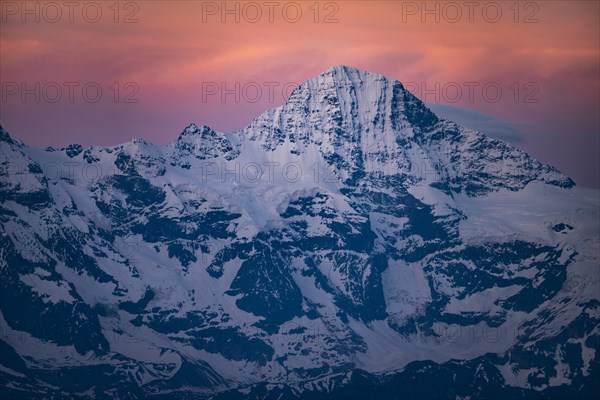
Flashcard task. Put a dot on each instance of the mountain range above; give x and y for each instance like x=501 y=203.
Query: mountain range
x=348 y=244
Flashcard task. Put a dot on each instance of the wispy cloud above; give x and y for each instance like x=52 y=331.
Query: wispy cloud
x=504 y=130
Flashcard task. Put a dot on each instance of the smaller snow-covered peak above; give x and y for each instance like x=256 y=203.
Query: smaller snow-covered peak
x=194 y=130
x=203 y=142
x=5 y=137
x=3 y=133
x=196 y=134
x=140 y=141
x=73 y=150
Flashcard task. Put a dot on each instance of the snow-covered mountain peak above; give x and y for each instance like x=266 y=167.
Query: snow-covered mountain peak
x=193 y=131
x=350 y=98
x=203 y=142
x=364 y=123
x=350 y=79
x=5 y=137
x=349 y=116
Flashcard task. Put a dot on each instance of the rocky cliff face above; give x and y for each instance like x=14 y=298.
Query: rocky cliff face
x=348 y=243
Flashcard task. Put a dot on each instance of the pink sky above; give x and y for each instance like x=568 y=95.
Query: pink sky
x=175 y=51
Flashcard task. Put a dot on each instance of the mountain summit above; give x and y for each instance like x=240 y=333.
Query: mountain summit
x=362 y=122
x=348 y=244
